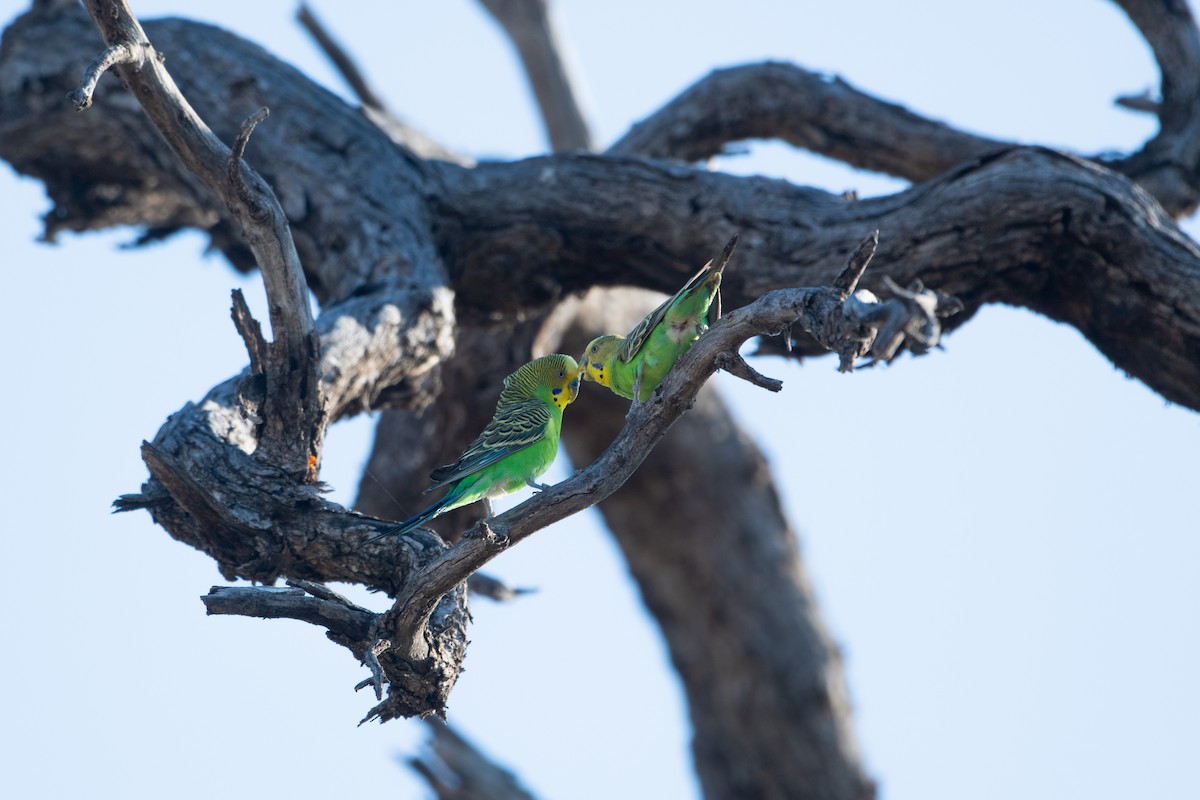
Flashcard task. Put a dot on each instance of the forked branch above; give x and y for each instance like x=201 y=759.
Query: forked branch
x=293 y=421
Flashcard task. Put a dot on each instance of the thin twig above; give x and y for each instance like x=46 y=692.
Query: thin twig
x=531 y=31
x=847 y=280
x=114 y=54
x=735 y=365
x=250 y=331
x=237 y=181
x=495 y=589
x=340 y=58
x=1144 y=102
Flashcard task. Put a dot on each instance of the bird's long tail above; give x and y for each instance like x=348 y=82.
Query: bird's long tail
x=718 y=264
x=414 y=521
x=714 y=279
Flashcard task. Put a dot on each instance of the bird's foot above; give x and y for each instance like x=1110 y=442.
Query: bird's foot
x=537 y=487
x=634 y=406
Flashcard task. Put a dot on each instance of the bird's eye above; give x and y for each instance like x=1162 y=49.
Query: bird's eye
x=562 y=374
x=595 y=348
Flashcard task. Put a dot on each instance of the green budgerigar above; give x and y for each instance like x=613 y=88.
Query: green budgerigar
x=516 y=447
x=637 y=363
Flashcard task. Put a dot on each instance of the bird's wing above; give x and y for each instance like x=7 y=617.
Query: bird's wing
x=641 y=332
x=514 y=427
x=637 y=337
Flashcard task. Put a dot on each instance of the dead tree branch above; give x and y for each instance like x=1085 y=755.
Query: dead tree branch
x=1168 y=166
x=820 y=113
x=374 y=107
x=531 y=31
x=292 y=425
x=456 y=770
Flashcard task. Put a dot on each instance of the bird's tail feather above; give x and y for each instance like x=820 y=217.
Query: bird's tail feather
x=412 y=522
x=714 y=276
x=710 y=274
x=723 y=259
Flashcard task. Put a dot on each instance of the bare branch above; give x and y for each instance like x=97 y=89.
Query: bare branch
x=237 y=182
x=114 y=54
x=290 y=363
x=1145 y=102
x=825 y=115
x=207 y=156
x=345 y=621
x=530 y=29
x=341 y=59
x=374 y=107
x=817 y=112
x=1069 y=238
x=456 y=770
x=495 y=589
x=1168 y=166
x=735 y=365
x=250 y=331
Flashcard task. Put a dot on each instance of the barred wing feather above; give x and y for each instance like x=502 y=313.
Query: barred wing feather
x=641 y=332
x=514 y=427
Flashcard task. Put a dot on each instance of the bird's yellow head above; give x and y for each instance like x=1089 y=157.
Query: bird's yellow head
x=596 y=362
x=557 y=373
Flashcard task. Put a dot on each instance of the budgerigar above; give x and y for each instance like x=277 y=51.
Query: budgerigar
x=517 y=446
x=638 y=362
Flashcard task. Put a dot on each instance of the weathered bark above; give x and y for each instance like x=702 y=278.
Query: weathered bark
x=821 y=113
x=1168 y=165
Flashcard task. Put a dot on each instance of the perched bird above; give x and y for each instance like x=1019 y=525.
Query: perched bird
x=517 y=446
x=634 y=365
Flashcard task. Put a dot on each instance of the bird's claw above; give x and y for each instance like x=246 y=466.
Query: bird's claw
x=633 y=407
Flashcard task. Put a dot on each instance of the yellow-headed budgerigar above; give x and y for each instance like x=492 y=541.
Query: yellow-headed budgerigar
x=638 y=362
x=517 y=446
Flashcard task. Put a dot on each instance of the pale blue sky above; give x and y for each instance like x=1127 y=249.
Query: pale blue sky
x=1019 y=621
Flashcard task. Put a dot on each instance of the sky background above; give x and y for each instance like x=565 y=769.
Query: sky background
x=1019 y=621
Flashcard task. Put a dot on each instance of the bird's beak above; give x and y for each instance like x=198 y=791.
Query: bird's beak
x=584 y=375
x=572 y=391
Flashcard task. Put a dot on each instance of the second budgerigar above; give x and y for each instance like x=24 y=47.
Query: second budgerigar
x=637 y=362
